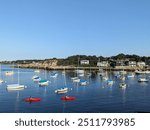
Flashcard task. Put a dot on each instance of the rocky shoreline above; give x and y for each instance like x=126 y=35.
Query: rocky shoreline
x=55 y=67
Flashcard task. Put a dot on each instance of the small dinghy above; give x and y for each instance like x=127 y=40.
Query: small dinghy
x=68 y=98
x=32 y=99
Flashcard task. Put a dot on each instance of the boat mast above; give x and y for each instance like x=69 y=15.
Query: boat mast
x=65 y=78
x=18 y=74
x=0 y=71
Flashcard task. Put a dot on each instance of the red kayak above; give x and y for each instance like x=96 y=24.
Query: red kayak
x=66 y=98
x=33 y=99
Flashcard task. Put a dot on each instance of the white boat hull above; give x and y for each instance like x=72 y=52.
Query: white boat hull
x=9 y=73
x=15 y=87
x=54 y=76
x=44 y=83
x=76 y=80
x=142 y=80
x=61 y=91
x=83 y=83
x=1 y=81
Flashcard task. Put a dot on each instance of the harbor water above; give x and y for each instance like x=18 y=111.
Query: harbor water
x=95 y=97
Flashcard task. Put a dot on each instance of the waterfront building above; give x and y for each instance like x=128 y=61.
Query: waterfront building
x=84 y=62
x=132 y=63
x=120 y=63
x=103 y=64
x=141 y=64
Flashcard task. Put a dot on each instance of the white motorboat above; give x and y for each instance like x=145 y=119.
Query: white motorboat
x=142 y=80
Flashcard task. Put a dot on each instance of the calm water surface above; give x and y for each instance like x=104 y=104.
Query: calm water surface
x=96 y=97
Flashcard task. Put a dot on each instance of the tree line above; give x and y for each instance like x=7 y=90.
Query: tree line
x=75 y=60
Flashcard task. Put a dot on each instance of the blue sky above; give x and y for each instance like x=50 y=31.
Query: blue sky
x=39 y=29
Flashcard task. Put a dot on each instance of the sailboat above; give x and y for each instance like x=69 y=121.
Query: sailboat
x=1 y=80
x=9 y=73
x=110 y=82
x=83 y=83
x=123 y=85
x=36 y=78
x=76 y=79
x=44 y=82
x=54 y=75
x=37 y=70
x=17 y=86
x=122 y=74
x=142 y=79
x=65 y=89
x=131 y=75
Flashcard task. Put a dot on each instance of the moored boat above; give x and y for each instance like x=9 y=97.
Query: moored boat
x=110 y=82
x=83 y=83
x=61 y=90
x=140 y=72
x=31 y=99
x=104 y=78
x=76 y=80
x=37 y=71
x=54 y=75
x=9 y=73
x=15 y=87
x=1 y=81
x=131 y=75
x=36 y=78
x=43 y=82
x=122 y=85
x=142 y=80
x=68 y=98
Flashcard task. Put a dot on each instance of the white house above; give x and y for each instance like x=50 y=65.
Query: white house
x=84 y=62
x=132 y=63
x=141 y=64
x=103 y=64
